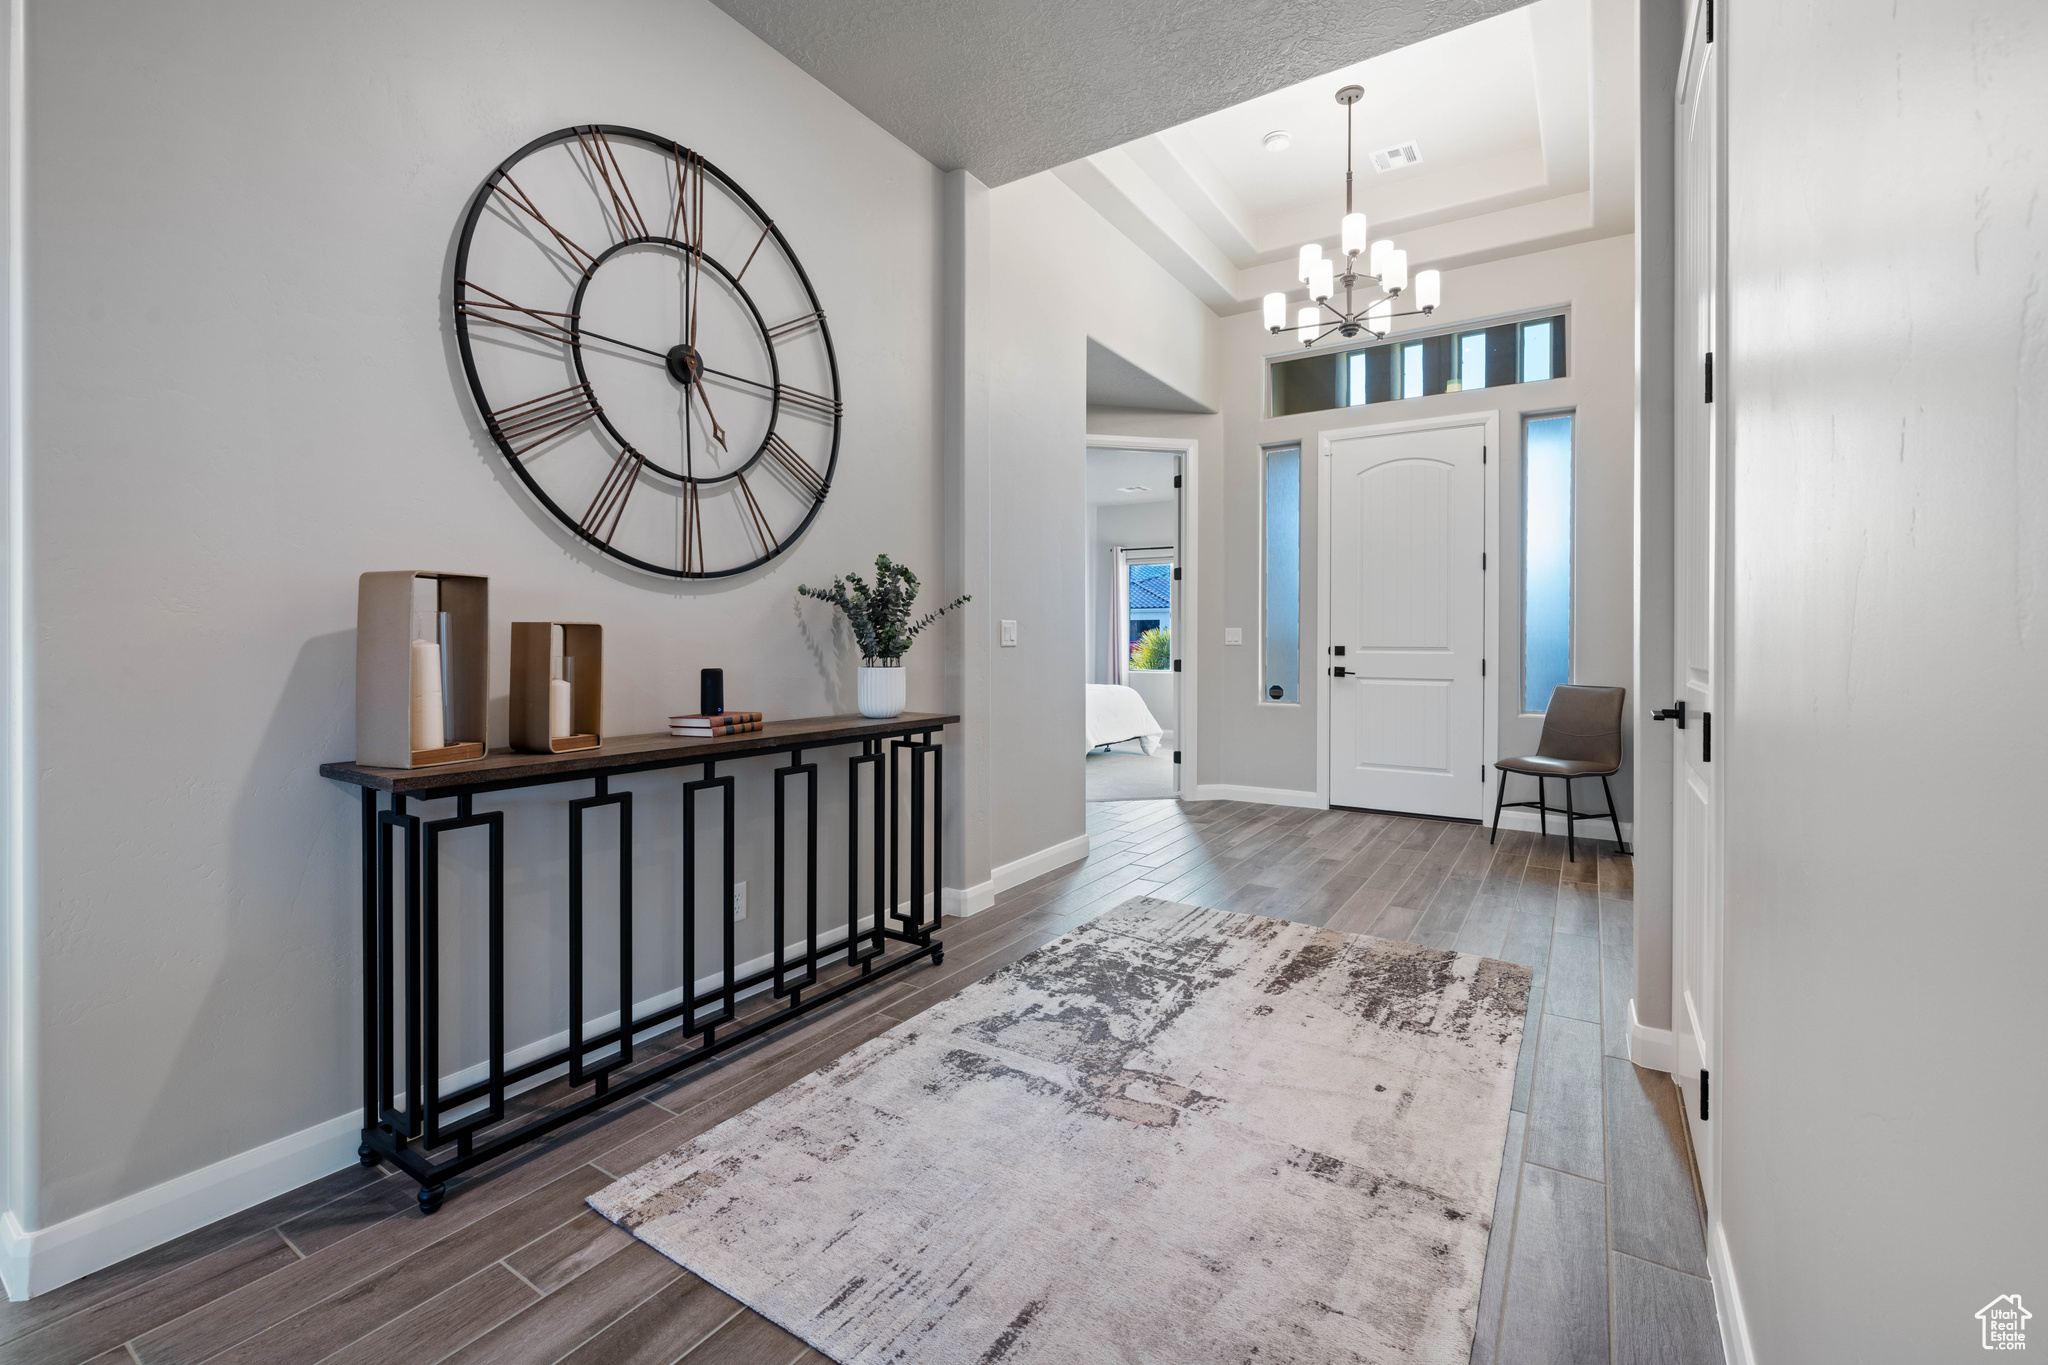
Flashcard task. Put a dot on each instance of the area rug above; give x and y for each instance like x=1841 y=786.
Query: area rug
x=1173 y=1135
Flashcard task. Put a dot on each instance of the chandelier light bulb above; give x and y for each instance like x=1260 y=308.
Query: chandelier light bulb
x=1381 y=249
x=1276 y=312
x=1396 y=277
x=1354 y=233
x=1322 y=283
x=1310 y=321
x=1305 y=268
x=1379 y=319
x=1429 y=289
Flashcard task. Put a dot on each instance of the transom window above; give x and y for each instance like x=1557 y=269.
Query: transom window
x=1419 y=367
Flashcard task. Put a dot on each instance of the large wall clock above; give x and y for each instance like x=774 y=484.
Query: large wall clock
x=647 y=352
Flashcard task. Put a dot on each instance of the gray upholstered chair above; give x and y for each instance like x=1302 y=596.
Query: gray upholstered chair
x=1581 y=738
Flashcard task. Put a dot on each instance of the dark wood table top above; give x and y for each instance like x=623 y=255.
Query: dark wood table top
x=628 y=753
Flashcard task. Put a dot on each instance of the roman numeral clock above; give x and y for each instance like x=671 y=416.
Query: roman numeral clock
x=647 y=352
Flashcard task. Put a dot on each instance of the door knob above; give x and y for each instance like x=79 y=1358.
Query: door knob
x=1339 y=672
x=1677 y=713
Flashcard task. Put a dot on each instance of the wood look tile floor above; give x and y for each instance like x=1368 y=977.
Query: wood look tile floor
x=1597 y=1253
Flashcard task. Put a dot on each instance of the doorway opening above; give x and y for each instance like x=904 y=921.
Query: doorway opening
x=1134 y=582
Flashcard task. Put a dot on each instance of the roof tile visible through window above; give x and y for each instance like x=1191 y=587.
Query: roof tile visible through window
x=1151 y=587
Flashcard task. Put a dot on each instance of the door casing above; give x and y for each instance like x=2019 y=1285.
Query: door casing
x=1186 y=596
x=1489 y=744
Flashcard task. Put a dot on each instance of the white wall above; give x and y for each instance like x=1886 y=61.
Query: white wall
x=1884 y=1129
x=242 y=395
x=1265 y=745
x=1062 y=275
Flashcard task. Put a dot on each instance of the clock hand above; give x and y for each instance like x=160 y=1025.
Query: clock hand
x=717 y=431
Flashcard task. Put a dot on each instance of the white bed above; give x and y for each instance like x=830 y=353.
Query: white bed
x=1116 y=714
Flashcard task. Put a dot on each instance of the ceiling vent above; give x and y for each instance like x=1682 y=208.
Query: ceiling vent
x=1394 y=158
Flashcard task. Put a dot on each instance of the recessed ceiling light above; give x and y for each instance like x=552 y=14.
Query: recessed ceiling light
x=1278 y=140
x=1134 y=488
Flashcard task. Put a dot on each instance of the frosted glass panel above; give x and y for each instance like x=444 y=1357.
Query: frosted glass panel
x=1281 y=674
x=1546 y=558
x=1538 y=346
x=1472 y=360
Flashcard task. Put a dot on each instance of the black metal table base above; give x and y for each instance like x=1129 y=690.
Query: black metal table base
x=409 y=1123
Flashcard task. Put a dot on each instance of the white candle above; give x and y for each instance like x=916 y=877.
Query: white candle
x=427 y=732
x=558 y=709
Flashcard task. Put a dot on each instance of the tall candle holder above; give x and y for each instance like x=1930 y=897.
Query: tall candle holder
x=537 y=682
x=402 y=689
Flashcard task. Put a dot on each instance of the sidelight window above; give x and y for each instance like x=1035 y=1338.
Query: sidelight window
x=1546 y=557
x=1280 y=652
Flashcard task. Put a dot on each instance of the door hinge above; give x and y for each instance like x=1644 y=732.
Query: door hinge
x=1482 y=561
x=1482 y=668
x=1176 y=665
x=1710 y=376
x=1176 y=575
x=1710 y=38
x=1706 y=736
x=1176 y=755
x=1703 y=1094
x=1482 y=454
x=1176 y=481
x=1482 y=774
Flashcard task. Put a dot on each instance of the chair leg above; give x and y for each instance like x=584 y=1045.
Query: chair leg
x=1500 y=794
x=1571 y=824
x=1613 y=813
x=1542 y=808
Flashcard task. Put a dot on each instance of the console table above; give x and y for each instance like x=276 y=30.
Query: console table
x=401 y=1001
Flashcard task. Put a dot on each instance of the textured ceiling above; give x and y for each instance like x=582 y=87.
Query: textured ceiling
x=1007 y=88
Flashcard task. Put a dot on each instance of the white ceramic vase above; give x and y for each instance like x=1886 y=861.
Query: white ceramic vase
x=883 y=692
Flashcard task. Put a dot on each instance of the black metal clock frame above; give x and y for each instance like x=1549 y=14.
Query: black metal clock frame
x=546 y=413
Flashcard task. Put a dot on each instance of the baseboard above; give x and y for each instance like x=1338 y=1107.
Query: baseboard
x=1599 y=828
x=1263 y=796
x=1653 y=1049
x=961 y=901
x=1037 y=864
x=48 y=1257
x=39 y=1261
x=1735 y=1344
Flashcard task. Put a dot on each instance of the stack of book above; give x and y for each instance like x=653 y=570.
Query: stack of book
x=710 y=727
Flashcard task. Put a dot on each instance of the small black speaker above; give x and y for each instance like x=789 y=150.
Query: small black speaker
x=711 y=692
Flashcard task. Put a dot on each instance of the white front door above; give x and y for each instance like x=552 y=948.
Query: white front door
x=1408 y=613
x=1697 y=589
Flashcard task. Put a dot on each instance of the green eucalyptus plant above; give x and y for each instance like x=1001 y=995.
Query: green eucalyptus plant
x=880 y=615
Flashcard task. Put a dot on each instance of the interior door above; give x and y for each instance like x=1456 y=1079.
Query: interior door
x=1696 y=634
x=1408 y=621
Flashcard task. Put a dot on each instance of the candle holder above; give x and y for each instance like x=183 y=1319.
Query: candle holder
x=533 y=678
x=388 y=733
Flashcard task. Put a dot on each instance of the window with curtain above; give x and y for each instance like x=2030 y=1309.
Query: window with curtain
x=1546 y=557
x=1148 y=615
x=1280 y=651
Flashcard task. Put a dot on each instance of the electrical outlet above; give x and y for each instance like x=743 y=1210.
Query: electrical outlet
x=1233 y=635
x=739 y=900
x=1009 y=635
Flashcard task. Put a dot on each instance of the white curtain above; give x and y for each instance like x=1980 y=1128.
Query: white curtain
x=1119 y=615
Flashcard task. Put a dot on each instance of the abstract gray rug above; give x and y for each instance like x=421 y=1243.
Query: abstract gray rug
x=1174 y=1135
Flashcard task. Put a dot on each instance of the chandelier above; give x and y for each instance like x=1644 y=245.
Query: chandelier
x=1386 y=268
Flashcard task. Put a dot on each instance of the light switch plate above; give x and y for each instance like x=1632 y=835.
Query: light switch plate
x=1009 y=635
x=739 y=900
x=1233 y=635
